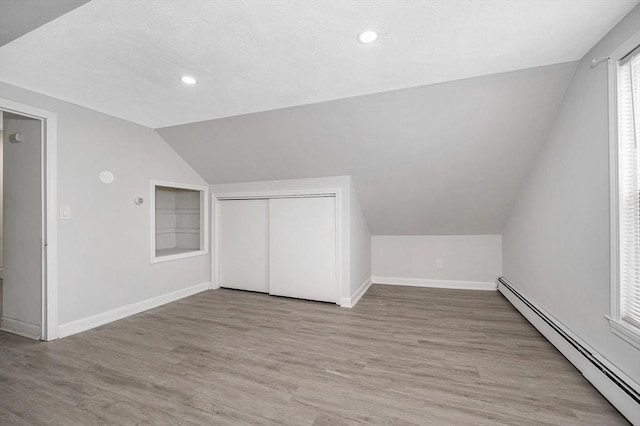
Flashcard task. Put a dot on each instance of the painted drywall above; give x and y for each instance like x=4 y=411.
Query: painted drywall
x=103 y=250
x=556 y=240
x=433 y=160
x=188 y=219
x=22 y=286
x=165 y=218
x=349 y=279
x=125 y=58
x=476 y=258
x=360 y=245
x=1 y=197
x=18 y=17
x=177 y=219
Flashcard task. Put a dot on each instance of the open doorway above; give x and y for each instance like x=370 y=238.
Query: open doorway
x=27 y=222
x=22 y=224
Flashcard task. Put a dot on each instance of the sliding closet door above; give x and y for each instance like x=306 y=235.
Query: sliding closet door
x=243 y=244
x=302 y=248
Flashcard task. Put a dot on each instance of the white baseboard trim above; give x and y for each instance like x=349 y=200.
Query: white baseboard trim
x=350 y=302
x=618 y=397
x=420 y=282
x=94 y=321
x=24 y=329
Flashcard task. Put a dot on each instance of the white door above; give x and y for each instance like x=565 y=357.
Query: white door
x=243 y=244
x=302 y=248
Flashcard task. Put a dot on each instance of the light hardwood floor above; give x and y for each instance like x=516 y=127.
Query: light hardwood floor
x=402 y=356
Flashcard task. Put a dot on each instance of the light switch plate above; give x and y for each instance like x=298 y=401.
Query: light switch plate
x=65 y=212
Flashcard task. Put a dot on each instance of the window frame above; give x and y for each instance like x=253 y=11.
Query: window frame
x=204 y=221
x=618 y=326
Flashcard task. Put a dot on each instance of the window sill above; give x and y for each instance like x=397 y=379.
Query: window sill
x=178 y=256
x=625 y=331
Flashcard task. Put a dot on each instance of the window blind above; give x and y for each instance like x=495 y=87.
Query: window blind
x=629 y=185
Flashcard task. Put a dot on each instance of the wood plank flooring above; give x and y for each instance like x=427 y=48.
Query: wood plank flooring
x=402 y=356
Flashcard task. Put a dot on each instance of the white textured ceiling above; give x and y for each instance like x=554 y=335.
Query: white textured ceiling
x=440 y=159
x=125 y=58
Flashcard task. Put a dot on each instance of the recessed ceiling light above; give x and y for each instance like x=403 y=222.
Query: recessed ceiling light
x=187 y=79
x=368 y=36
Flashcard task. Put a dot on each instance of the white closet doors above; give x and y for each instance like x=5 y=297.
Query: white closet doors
x=243 y=244
x=302 y=248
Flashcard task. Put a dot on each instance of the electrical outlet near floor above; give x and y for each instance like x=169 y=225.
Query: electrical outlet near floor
x=439 y=264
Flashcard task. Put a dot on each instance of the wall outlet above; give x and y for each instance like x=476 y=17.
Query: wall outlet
x=439 y=264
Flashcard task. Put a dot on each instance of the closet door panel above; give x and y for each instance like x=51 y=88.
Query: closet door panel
x=302 y=248
x=243 y=244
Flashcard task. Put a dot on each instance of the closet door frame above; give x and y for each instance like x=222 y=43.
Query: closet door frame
x=317 y=192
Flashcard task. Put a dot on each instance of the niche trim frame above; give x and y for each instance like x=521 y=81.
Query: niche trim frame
x=204 y=221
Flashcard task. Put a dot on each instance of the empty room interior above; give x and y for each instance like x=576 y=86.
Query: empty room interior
x=292 y=212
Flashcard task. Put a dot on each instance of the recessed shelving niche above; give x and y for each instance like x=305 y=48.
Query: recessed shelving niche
x=178 y=221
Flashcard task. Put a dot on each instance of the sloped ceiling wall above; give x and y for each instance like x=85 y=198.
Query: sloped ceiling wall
x=18 y=17
x=439 y=159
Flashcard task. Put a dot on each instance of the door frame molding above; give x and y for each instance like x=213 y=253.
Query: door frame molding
x=267 y=194
x=49 y=167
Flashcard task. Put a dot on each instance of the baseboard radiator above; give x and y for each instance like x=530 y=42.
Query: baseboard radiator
x=585 y=352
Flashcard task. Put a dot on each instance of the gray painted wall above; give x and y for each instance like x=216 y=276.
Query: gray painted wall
x=476 y=258
x=18 y=17
x=440 y=159
x=22 y=287
x=360 y=246
x=1 y=195
x=556 y=241
x=104 y=248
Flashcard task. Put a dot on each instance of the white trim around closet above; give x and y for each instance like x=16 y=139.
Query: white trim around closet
x=266 y=194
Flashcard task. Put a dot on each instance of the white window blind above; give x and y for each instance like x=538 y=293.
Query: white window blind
x=629 y=185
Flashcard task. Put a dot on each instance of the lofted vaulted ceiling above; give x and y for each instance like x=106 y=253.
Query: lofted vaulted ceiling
x=439 y=159
x=437 y=122
x=125 y=58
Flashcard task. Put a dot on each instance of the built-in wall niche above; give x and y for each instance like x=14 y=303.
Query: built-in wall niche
x=178 y=221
